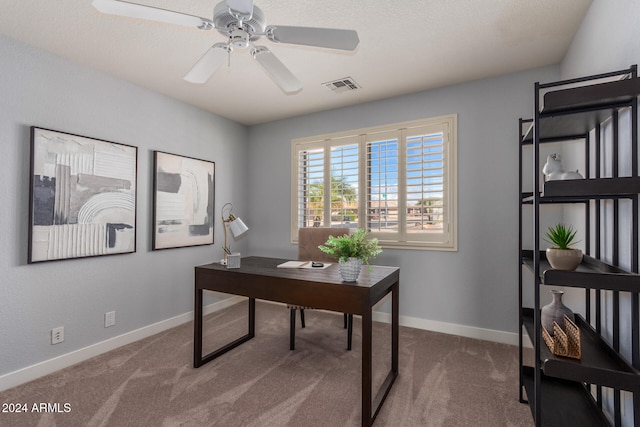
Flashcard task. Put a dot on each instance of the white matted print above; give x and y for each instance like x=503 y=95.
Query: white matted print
x=183 y=202
x=82 y=195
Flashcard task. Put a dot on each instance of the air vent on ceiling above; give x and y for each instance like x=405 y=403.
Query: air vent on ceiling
x=342 y=85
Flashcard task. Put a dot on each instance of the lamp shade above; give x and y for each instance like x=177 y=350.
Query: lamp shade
x=237 y=227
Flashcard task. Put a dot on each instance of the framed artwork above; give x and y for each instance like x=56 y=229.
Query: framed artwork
x=82 y=196
x=183 y=201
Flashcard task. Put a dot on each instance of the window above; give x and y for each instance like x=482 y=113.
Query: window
x=397 y=181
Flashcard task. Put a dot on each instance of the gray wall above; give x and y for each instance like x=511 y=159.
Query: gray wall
x=609 y=39
x=476 y=286
x=143 y=288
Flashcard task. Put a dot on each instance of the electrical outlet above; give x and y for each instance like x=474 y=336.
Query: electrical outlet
x=109 y=319
x=57 y=335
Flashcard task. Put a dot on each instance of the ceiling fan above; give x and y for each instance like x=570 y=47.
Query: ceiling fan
x=242 y=24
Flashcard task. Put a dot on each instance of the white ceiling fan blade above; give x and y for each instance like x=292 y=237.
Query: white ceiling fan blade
x=243 y=7
x=132 y=10
x=208 y=64
x=276 y=70
x=310 y=36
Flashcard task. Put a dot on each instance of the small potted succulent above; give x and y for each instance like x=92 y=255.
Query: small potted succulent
x=562 y=256
x=351 y=250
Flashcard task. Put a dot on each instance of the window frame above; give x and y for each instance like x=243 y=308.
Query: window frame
x=403 y=130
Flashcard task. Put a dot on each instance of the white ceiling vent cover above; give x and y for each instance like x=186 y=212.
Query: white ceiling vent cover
x=342 y=85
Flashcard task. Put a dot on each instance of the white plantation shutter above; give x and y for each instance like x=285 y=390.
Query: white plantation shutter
x=344 y=166
x=382 y=183
x=310 y=187
x=427 y=195
x=396 y=181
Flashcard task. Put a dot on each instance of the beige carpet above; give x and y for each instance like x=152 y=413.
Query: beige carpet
x=444 y=380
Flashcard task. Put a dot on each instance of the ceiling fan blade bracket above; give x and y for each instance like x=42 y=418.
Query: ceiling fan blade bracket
x=206 y=25
x=257 y=50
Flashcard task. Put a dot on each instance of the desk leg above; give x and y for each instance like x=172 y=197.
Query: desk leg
x=371 y=409
x=367 y=367
x=198 y=359
x=395 y=326
x=252 y=318
x=197 y=329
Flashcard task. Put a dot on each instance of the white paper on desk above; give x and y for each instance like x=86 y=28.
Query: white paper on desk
x=293 y=264
x=302 y=264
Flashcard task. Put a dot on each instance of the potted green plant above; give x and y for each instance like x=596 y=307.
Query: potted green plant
x=351 y=250
x=562 y=256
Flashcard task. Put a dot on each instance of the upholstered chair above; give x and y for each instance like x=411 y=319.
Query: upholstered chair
x=309 y=239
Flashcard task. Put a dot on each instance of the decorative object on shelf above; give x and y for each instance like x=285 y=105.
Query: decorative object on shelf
x=352 y=250
x=562 y=256
x=237 y=227
x=554 y=171
x=564 y=342
x=82 y=197
x=554 y=312
x=183 y=201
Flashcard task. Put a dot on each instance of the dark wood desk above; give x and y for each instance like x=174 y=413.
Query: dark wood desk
x=323 y=289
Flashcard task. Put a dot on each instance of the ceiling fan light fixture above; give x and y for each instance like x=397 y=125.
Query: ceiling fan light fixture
x=239 y=39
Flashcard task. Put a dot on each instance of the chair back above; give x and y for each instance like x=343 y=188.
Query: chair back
x=309 y=238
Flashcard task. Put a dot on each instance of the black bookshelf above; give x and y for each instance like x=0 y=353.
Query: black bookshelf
x=563 y=391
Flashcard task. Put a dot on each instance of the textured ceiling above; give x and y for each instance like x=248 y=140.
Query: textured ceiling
x=405 y=46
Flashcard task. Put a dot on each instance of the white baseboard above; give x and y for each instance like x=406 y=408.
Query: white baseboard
x=46 y=367
x=29 y=373
x=502 y=337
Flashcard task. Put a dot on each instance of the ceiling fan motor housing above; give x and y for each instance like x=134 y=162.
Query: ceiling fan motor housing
x=228 y=25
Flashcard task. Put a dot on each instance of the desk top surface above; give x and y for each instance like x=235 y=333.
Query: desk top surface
x=264 y=266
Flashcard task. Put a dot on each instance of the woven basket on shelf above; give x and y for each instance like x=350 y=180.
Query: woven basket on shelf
x=564 y=342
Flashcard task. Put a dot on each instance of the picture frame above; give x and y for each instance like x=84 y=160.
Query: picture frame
x=183 y=201
x=82 y=196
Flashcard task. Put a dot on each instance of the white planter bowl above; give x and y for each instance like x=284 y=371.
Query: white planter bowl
x=564 y=259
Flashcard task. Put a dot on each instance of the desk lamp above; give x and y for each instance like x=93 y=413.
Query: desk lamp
x=236 y=226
